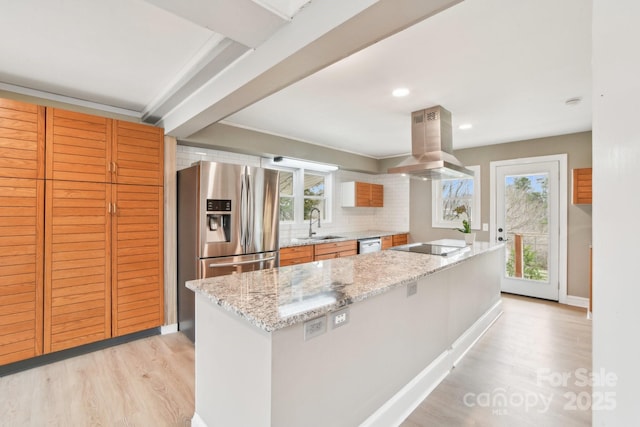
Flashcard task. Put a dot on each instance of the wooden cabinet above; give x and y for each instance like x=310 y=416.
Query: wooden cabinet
x=362 y=194
x=377 y=196
x=296 y=255
x=81 y=229
x=138 y=155
x=104 y=275
x=21 y=140
x=394 y=240
x=21 y=230
x=21 y=250
x=82 y=147
x=78 y=146
x=336 y=250
x=137 y=258
x=400 y=239
x=77 y=307
x=582 y=193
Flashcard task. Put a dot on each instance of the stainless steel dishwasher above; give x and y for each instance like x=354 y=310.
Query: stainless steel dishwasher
x=366 y=246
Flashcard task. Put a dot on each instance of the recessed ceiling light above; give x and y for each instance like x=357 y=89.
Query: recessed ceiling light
x=465 y=126
x=573 y=101
x=400 y=92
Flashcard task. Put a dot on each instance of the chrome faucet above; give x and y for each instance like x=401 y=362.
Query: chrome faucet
x=311 y=233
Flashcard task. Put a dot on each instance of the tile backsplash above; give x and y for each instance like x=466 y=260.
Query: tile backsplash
x=394 y=216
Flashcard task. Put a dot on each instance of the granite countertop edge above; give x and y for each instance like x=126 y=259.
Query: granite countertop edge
x=200 y=287
x=344 y=236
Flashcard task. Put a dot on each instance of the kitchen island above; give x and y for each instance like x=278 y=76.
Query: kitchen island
x=275 y=348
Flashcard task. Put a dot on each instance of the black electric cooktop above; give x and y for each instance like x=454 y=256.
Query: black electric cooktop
x=428 y=248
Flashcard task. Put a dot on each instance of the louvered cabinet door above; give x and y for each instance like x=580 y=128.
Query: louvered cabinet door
x=77 y=264
x=21 y=276
x=137 y=276
x=78 y=146
x=138 y=154
x=21 y=140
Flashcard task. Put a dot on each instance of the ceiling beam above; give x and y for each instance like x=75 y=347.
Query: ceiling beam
x=322 y=33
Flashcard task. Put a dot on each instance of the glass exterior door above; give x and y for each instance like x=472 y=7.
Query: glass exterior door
x=527 y=220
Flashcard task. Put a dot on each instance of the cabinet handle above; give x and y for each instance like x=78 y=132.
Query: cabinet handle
x=109 y=208
x=114 y=208
x=115 y=168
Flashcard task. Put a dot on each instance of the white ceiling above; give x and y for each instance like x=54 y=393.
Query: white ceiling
x=296 y=68
x=506 y=67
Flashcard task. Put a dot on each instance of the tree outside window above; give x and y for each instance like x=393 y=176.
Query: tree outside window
x=314 y=194
x=287 y=207
x=302 y=190
x=451 y=195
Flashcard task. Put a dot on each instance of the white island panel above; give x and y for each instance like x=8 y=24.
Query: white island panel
x=371 y=371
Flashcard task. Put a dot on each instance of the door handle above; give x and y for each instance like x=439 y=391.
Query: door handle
x=233 y=264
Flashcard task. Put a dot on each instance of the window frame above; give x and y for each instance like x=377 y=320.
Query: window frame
x=299 y=196
x=436 y=204
x=292 y=196
x=327 y=193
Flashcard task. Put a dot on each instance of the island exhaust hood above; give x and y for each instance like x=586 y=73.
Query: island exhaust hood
x=432 y=147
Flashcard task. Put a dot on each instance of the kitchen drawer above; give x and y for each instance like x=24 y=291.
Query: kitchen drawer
x=333 y=255
x=296 y=255
x=350 y=247
x=387 y=242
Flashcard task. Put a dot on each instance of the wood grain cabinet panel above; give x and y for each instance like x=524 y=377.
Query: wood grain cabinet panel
x=137 y=272
x=296 y=255
x=400 y=239
x=138 y=154
x=78 y=146
x=362 y=194
x=335 y=250
x=387 y=242
x=582 y=182
x=77 y=308
x=21 y=140
x=21 y=268
x=377 y=196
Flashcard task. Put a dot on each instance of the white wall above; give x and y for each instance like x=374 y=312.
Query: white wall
x=394 y=216
x=616 y=208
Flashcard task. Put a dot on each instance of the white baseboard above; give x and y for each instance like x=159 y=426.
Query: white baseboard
x=400 y=406
x=577 y=301
x=394 y=411
x=168 y=329
x=467 y=340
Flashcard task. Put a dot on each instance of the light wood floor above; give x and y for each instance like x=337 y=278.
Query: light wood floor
x=150 y=382
x=522 y=357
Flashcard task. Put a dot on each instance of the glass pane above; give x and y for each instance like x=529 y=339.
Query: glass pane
x=313 y=203
x=313 y=185
x=286 y=209
x=456 y=193
x=527 y=226
x=286 y=183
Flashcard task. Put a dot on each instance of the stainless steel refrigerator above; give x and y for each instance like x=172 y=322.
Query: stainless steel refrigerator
x=227 y=223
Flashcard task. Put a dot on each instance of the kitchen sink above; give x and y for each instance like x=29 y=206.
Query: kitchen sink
x=326 y=237
x=318 y=238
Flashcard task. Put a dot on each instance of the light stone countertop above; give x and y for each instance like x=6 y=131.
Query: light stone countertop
x=350 y=235
x=276 y=298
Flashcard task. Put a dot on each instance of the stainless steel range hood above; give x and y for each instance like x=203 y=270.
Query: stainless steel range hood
x=432 y=147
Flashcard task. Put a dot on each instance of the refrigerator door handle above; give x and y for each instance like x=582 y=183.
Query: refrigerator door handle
x=243 y=211
x=250 y=212
x=231 y=264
